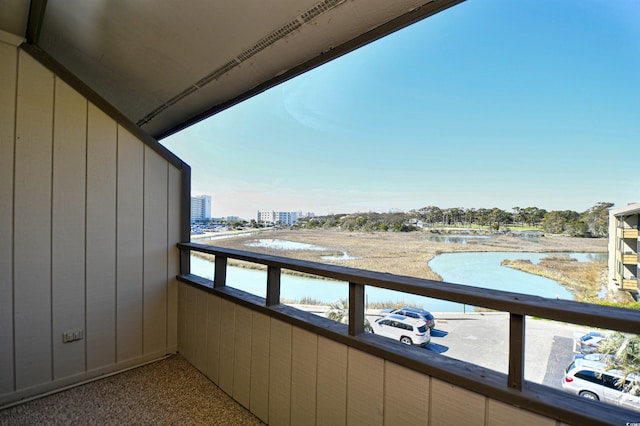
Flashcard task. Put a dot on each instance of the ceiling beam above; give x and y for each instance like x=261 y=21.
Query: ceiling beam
x=34 y=23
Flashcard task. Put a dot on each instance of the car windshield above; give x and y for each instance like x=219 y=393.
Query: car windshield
x=573 y=364
x=422 y=328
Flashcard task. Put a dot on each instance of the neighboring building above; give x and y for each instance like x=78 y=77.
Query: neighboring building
x=284 y=218
x=623 y=248
x=200 y=208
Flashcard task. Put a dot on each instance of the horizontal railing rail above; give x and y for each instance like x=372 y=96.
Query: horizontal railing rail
x=517 y=305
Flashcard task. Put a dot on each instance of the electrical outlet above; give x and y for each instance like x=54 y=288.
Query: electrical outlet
x=72 y=335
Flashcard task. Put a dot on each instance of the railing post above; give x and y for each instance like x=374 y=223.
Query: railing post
x=516 y=351
x=220 y=276
x=185 y=261
x=356 y=309
x=273 y=286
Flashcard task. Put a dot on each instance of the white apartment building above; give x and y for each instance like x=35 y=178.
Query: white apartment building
x=200 y=208
x=284 y=218
x=624 y=242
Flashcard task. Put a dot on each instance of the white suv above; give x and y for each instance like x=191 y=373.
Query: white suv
x=591 y=379
x=409 y=331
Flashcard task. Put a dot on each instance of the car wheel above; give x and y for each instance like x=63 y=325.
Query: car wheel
x=406 y=340
x=589 y=395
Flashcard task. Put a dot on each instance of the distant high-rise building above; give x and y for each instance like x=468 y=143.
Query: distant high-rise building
x=200 y=208
x=284 y=218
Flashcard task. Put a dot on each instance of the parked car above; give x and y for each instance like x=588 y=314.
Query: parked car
x=410 y=331
x=589 y=343
x=591 y=379
x=413 y=313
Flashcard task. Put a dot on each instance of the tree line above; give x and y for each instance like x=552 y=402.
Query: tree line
x=590 y=223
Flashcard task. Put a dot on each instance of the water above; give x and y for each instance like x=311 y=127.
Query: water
x=476 y=269
x=278 y=244
x=344 y=256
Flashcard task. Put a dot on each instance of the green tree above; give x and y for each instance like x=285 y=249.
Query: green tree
x=517 y=215
x=533 y=216
x=576 y=229
x=553 y=222
x=623 y=355
x=557 y=222
x=339 y=311
x=597 y=219
x=431 y=214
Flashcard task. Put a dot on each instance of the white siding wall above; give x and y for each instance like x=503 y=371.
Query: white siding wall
x=289 y=376
x=89 y=219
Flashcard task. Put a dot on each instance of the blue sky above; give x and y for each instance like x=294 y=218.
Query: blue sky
x=492 y=103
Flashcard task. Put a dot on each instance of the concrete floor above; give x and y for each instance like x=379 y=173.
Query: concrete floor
x=167 y=392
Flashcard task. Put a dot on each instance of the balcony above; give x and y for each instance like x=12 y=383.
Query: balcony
x=286 y=366
x=630 y=258
x=630 y=284
x=630 y=233
x=267 y=350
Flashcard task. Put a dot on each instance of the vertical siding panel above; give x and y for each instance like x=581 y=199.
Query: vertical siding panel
x=227 y=337
x=200 y=331
x=173 y=259
x=280 y=373
x=129 y=245
x=8 y=76
x=406 y=396
x=68 y=228
x=365 y=383
x=182 y=319
x=155 y=252
x=242 y=356
x=453 y=405
x=101 y=239
x=304 y=365
x=32 y=231
x=260 y=337
x=190 y=305
x=332 y=383
x=213 y=338
x=501 y=414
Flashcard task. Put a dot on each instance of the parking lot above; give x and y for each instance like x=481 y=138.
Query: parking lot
x=483 y=339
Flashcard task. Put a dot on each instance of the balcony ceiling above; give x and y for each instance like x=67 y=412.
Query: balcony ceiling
x=168 y=64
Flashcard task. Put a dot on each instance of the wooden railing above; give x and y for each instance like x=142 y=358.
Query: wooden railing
x=630 y=285
x=516 y=390
x=630 y=259
x=630 y=233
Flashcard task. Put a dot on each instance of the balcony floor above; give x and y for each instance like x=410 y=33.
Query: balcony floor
x=170 y=391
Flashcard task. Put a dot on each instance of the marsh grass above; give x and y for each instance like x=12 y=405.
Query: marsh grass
x=409 y=253
x=401 y=253
x=583 y=279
